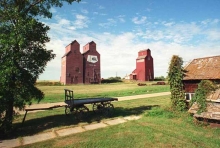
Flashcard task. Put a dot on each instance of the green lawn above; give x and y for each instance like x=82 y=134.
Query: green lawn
x=158 y=127
x=56 y=93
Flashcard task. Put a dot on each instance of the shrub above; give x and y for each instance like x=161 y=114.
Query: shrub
x=175 y=77
x=48 y=83
x=111 y=80
x=205 y=87
x=161 y=78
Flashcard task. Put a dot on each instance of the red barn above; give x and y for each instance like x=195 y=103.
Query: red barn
x=206 y=68
x=91 y=64
x=144 y=67
x=79 y=68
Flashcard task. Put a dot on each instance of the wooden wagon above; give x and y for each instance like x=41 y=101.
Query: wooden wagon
x=77 y=106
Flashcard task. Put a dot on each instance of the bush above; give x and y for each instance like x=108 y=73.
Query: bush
x=205 y=87
x=161 y=78
x=48 y=83
x=112 y=80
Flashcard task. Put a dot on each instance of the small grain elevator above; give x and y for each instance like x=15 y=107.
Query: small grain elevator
x=144 y=67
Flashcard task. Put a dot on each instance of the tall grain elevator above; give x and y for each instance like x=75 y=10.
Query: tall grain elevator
x=72 y=64
x=91 y=64
x=144 y=67
x=79 y=68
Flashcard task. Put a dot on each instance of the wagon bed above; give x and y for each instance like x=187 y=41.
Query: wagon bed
x=77 y=106
x=77 y=102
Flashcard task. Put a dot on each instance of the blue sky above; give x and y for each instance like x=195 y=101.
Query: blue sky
x=121 y=28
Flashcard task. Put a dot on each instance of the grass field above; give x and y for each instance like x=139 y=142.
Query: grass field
x=56 y=93
x=158 y=127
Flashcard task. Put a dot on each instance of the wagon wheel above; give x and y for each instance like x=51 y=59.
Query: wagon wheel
x=97 y=107
x=108 y=108
x=81 y=112
x=67 y=110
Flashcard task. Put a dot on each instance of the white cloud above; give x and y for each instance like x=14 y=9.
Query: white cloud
x=213 y=34
x=53 y=10
x=119 y=51
x=83 y=2
x=210 y=21
x=216 y=21
x=101 y=7
x=81 y=21
x=148 y=9
x=171 y=32
x=84 y=11
x=168 y=24
x=103 y=14
x=142 y=20
x=62 y=25
x=64 y=22
x=110 y=22
x=121 y=18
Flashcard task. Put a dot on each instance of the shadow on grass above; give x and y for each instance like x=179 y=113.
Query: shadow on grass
x=37 y=125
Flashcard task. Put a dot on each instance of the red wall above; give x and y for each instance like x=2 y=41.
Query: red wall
x=144 y=66
x=72 y=65
x=91 y=63
x=149 y=67
x=80 y=68
x=140 y=69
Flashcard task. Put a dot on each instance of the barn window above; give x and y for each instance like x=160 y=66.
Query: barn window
x=189 y=96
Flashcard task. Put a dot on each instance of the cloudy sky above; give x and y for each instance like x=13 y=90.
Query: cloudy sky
x=121 y=28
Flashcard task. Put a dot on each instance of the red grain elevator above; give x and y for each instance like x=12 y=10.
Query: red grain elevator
x=79 y=68
x=144 y=67
x=72 y=64
x=91 y=64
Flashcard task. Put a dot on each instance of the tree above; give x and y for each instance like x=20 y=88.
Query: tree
x=205 y=87
x=161 y=78
x=175 y=77
x=23 y=55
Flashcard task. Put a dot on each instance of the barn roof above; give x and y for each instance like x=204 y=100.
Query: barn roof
x=203 y=68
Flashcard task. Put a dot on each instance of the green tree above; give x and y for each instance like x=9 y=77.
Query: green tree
x=23 y=55
x=205 y=87
x=175 y=77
